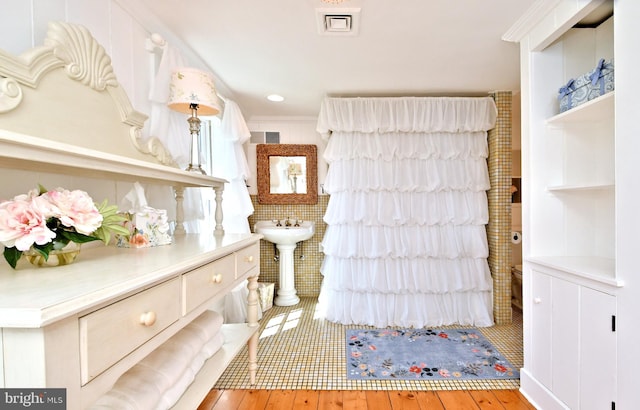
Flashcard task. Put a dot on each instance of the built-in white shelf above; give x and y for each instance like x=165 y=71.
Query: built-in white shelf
x=578 y=188
x=591 y=268
x=598 y=109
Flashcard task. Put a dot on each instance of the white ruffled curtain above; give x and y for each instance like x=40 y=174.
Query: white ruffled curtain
x=230 y=163
x=406 y=243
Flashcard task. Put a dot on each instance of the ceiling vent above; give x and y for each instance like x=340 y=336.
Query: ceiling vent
x=338 y=21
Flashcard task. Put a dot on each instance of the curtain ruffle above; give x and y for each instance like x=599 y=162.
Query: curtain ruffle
x=406 y=275
x=416 y=310
x=437 y=241
x=406 y=114
x=408 y=208
x=229 y=162
x=406 y=241
x=408 y=175
x=438 y=145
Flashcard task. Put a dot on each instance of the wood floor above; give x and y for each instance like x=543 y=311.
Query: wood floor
x=364 y=400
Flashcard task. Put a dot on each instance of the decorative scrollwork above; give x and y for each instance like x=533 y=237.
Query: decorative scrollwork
x=10 y=94
x=85 y=59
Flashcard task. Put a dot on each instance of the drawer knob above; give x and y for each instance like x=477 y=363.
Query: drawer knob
x=216 y=278
x=250 y=258
x=537 y=301
x=148 y=318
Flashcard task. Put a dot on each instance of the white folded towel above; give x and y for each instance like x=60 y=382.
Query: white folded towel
x=171 y=396
x=209 y=324
x=134 y=390
x=159 y=379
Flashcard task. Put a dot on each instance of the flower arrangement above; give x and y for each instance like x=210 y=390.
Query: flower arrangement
x=44 y=221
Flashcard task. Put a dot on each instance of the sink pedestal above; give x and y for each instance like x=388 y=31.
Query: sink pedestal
x=286 y=237
x=287 y=294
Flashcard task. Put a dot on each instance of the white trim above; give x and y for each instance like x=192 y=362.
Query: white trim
x=529 y=20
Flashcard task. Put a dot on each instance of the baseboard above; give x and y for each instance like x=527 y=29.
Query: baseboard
x=537 y=394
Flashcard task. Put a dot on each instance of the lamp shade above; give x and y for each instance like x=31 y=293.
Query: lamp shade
x=192 y=86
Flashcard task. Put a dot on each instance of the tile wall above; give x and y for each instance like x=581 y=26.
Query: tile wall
x=499 y=196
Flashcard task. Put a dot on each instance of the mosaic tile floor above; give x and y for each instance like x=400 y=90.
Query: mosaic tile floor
x=298 y=350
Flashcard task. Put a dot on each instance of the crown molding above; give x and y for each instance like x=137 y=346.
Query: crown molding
x=529 y=19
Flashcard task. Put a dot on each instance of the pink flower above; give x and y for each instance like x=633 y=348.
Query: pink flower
x=372 y=347
x=74 y=209
x=138 y=240
x=22 y=223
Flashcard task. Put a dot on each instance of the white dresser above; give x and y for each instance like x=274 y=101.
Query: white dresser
x=81 y=326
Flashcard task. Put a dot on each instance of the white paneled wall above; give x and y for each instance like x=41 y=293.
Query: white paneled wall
x=23 y=25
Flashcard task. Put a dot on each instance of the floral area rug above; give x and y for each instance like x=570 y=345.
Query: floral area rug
x=427 y=354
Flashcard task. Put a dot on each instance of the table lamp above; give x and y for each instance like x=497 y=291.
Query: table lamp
x=193 y=92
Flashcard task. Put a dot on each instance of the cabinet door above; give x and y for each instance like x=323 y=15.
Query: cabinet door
x=565 y=341
x=540 y=328
x=597 y=350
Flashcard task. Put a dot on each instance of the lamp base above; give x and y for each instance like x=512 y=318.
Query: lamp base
x=195 y=168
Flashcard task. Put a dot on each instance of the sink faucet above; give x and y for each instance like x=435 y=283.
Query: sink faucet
x=287 y=222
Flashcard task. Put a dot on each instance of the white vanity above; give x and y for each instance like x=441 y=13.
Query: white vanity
x=81 y=326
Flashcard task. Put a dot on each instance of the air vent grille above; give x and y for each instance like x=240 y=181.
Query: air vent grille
x=338 y=21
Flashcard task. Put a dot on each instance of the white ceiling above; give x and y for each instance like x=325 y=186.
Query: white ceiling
x=403 y=47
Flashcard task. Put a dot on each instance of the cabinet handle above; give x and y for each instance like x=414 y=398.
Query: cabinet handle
x=216 y=278
x=148 y=318
x=537 y=301
x=249 y=258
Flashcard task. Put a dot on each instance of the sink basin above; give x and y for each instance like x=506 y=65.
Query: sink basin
x=285 y=235
x=286 y=239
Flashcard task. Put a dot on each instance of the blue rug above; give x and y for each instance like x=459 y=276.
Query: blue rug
x=424 y=354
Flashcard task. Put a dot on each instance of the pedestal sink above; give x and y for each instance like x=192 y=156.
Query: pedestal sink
x=286 y=239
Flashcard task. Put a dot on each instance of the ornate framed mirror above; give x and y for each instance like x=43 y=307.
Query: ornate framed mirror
x=287 y=174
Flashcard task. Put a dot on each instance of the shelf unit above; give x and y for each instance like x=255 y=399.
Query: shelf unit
x=570 y=280
x=101 y=279
x=571 y=160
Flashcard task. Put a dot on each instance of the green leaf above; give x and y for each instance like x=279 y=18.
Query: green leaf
x=112 y=222
x=12 y=255
x=76 y=237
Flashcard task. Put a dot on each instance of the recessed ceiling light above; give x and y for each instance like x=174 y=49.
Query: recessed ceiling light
x=275 y=98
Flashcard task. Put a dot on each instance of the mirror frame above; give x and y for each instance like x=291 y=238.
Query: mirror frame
x=264 y=151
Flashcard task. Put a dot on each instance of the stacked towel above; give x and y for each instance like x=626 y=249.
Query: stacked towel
x=158 y=381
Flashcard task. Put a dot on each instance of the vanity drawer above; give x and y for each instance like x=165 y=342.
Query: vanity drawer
x=248 y=258
x=109 y=334
x=202 y=283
